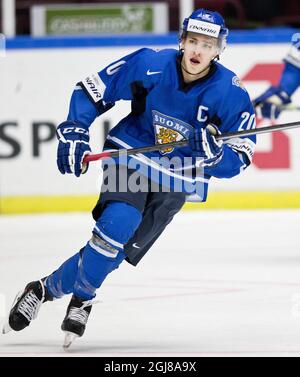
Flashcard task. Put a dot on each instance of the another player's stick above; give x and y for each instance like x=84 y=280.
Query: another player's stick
x=290 y=108
x=183 y=143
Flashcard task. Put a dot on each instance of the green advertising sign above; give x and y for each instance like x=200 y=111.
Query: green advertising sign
x=102 y=19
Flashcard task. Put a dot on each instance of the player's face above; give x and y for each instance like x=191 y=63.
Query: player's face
x=199 y=50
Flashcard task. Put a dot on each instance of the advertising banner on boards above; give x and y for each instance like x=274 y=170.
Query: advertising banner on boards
x=36 y=90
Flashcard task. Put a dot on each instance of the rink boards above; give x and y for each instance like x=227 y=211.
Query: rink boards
x=37 y=80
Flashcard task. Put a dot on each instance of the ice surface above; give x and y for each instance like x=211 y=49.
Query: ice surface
x=215 y=284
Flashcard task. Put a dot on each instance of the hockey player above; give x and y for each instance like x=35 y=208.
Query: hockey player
x=175 y=95
x=269 y=104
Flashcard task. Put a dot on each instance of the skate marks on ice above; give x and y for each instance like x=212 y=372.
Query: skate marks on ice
x=216 y=283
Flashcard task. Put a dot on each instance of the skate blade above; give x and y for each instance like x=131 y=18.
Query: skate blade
x=6 y=328
x=69 y=339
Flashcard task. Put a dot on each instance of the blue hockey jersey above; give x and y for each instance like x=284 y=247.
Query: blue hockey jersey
x=166 y=109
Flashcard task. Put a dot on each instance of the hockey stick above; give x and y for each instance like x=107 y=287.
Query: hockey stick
x=183 y=143
x=290 y=108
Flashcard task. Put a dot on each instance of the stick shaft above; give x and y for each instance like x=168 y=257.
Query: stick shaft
x=290 y=108
x=260 y=130
x=183 y=143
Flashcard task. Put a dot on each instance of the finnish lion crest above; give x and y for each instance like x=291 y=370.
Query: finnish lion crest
x=168 y=129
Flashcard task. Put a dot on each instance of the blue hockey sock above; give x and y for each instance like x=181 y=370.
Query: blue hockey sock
x=104 y=252
x=61 y=281
x=93 y=270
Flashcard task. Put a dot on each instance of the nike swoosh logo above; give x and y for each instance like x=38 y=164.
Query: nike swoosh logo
x=149 y=73
x=136 y=246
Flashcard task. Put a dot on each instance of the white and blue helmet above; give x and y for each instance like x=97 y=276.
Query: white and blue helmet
x=206 y=22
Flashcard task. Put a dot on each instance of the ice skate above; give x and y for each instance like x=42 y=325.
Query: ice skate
x=26 y=306
x=75 y=320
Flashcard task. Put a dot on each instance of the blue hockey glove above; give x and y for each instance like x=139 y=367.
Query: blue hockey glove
x=72 y=147
x=204 y=144
x=268 y=105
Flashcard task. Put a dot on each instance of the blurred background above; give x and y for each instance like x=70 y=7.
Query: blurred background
x=239 y=14
x=46 y=47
